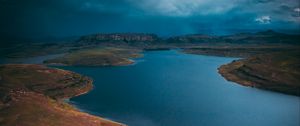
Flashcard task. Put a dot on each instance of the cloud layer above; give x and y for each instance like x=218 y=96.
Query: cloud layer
x=58 y=18
x=263 y=20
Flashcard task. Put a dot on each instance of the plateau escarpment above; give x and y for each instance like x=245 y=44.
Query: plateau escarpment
x=119 y=40
x=129 y=37
x=33 y=95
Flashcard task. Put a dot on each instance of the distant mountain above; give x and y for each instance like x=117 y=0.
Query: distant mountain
x=153 y=42
x=261 y=38
x=264 y=37
x=125 y=37
x=193 y=38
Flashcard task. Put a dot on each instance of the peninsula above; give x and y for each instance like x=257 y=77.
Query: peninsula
x=278 y=71
x=33 y=95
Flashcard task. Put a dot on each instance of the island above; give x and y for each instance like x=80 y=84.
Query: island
x=34 y=95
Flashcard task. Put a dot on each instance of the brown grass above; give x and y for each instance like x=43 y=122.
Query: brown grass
x=31 y=95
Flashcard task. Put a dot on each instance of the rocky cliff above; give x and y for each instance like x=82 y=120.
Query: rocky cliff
x=126 y=37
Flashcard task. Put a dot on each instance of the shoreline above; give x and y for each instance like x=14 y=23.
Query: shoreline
x=223 y=70
x=87 y=112
x=266 y=71
x=38 y=95
x=80 y=110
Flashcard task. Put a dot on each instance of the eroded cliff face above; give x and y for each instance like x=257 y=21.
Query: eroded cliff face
x=273 y=71
x=127 y=37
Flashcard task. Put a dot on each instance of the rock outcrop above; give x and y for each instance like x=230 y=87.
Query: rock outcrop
x=126 y=37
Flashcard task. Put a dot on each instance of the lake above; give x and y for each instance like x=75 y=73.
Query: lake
x=169 y=88
x=31 y=60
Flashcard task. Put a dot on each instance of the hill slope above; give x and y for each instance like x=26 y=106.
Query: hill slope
x=32 y=95
x=274 y=71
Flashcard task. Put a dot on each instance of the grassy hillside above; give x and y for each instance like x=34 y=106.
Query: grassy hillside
x=273 y=71
x=32 y=95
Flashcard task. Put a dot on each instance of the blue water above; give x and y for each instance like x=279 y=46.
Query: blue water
x=31 y=60
x=168 y=88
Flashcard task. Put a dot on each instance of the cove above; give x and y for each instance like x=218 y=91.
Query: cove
x=169 y=88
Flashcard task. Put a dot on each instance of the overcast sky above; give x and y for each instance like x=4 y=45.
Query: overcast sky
x=63 y=18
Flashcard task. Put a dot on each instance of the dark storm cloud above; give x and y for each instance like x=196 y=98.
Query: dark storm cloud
x=61 y=18
x=285 y=8
x=46 y=18
x=264 y=1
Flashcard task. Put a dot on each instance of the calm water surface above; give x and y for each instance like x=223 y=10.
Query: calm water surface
x=31 y=60
x=167 y=88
